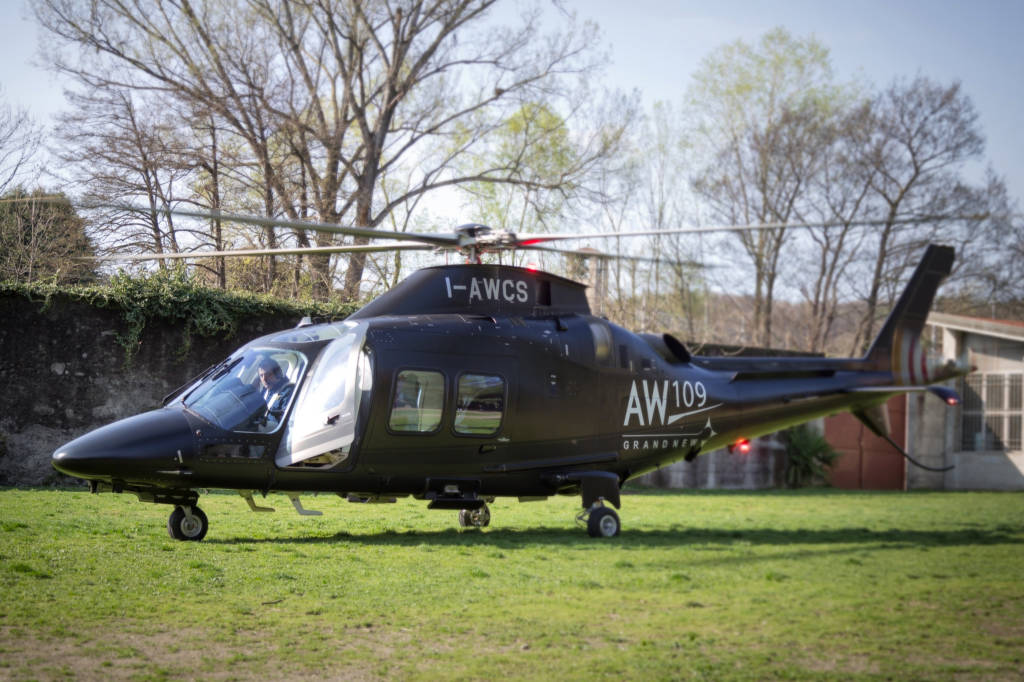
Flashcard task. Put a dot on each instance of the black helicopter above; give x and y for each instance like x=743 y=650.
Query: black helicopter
x=465 y=383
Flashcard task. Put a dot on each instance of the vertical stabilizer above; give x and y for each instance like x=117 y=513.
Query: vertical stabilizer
x=898 y=346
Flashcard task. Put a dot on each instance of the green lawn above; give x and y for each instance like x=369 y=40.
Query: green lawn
x=817 y=585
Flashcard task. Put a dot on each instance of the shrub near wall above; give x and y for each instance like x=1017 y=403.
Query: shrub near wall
x=73 y=359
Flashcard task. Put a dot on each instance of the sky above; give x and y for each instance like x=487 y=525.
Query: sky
x=657 y=44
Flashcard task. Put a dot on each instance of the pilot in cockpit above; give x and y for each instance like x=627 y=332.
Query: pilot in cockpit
x=275 y=389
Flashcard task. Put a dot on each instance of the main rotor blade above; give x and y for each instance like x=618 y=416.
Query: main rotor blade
x=438 y=239
x=531 y=239
x=473 y=242
x=613 y=256
x=309 y=250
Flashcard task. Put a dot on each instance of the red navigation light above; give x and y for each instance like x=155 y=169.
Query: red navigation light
x=947 y=395
x=742 y=445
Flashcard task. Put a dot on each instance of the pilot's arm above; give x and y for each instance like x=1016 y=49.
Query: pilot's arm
x=276 y=406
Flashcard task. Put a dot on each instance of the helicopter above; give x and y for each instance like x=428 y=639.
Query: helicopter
x=465 y=383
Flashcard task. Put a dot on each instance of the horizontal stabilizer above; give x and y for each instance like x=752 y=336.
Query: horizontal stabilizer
x=944 y=393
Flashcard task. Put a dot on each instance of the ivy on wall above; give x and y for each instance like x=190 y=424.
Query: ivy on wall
x=177 y=298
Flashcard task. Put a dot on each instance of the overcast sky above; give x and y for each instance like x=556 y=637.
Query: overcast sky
x=657 y=45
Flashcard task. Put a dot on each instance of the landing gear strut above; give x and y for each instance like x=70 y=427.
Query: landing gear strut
x=187 y=522
x=475 y=518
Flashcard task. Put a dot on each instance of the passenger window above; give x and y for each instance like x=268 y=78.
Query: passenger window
x=418 y=402
x=479 y=404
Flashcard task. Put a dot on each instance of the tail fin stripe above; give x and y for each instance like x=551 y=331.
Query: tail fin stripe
x=897 y=347
x=911 y=355
x=924 y=361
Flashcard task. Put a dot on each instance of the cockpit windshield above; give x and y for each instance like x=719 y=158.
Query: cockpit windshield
x=250 y=392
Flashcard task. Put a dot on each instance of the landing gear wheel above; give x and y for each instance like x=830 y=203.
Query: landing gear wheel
x=603 y=522
x=187 y=523
x=475 y=518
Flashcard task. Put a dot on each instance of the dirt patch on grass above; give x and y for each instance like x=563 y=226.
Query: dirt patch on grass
x=193 y=654
x=852 y=664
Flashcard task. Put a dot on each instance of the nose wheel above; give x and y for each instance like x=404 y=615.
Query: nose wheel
x=187 y=523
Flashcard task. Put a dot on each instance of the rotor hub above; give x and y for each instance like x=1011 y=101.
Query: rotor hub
x=475 y=239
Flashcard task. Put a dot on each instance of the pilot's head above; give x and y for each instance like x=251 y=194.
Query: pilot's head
x=270 y=373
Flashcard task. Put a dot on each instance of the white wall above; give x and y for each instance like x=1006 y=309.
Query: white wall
x=933 y=429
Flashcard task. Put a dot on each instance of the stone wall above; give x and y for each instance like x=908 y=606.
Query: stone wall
x=63 y=373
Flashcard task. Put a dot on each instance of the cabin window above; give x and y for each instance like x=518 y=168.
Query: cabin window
x=418 y=402
x=479 y=405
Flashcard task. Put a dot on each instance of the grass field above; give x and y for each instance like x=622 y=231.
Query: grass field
x=815 y=585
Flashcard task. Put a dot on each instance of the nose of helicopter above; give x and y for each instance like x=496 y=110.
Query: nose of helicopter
x=136 y=446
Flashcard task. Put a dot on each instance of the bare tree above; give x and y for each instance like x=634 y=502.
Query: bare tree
x=921 y=136
x=347 y=92
x=213 y=62
x=759 y=115
x=989 y=239
x=839 y=195
x=129 y=154
x=664 y=201
x=42 y=238
x=19 y=141
x=783 y=143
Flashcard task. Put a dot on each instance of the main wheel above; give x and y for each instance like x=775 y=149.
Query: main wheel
x=475 y=518
x=603 y=522
x=182 y=526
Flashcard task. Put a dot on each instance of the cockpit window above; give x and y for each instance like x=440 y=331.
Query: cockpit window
x=251 y=392
x=318 y=332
